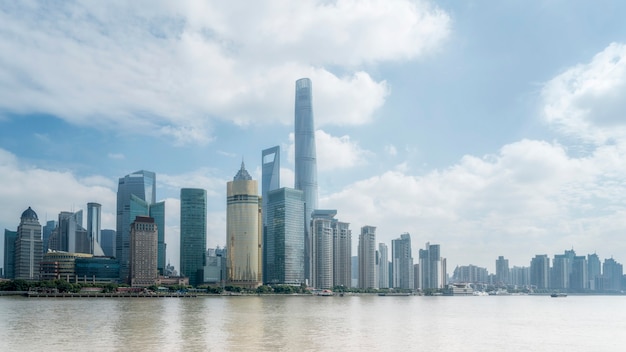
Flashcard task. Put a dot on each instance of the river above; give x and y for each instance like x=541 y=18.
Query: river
x=308 y=323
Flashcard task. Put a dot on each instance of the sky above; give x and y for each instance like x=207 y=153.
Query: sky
x=490 y=128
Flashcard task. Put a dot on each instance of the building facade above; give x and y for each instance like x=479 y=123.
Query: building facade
x=193 y=222
x=540 y=271
x=28 y=247
x=342 y=254
x=402 y=262
x=94 y=228
x=432 y=267
x=143 y=252
x=383 y=266
x=47 y=230
x=502 y=271
x=9 y=253
x=244 y=231
x=367 y=258
x=322 y=230
x=136 y=195
x=284 y=241
x=305 y=157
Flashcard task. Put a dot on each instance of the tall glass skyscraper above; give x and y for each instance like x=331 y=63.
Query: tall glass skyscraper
x=270 y=181
x=244 y=231
x=305 y=156
x=136 y=195
x=9 y=253
x=284 y=241
x=193 y=213
x=270 y=178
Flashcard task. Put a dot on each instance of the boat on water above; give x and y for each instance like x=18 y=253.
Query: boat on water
x=325 y=293
x=558 y=294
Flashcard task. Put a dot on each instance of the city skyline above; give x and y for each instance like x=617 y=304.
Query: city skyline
x=455 y=132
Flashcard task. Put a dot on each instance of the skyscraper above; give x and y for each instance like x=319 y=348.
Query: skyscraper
x=284 y=241
x=540 y=271
x=136 y=195
x=383 y=266
x=305 y=156
x=28 y=247
x=193 y=213
x=594 y=269
x=367 y=257
x=402 y=262
x=502 y=271
x=9 y=253
x=108 y=242
x=432 y=267
x=322 y=228
x=270 y=180
x=94 y=232
x=143 y=252
x=47 y=230
x=244 y=233
x=270 y=177
x=342 y=254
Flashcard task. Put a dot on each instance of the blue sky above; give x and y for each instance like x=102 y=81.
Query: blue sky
x=489 y=128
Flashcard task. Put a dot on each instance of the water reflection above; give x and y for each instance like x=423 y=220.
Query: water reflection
x=287 y=323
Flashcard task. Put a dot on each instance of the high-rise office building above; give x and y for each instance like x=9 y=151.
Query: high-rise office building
x=594 y=270
x=579 y=278
x=342 y=254
x=432 y=267
x=305 y=157
x=270 y=177
x=136 y=195
x=244 y=231
x=193 y=217
x=270 y=181
x=559 y=275
x=612 y=273
x=47 y=230
x=94 y=231
x=322 y=229
x=107 y=237
x=9 y=253
x=143 y=252
x=284 y=241
x=28 y=247
x=383 y=266
x=540 y=271
x=70 y=235
x=367 y=258
x=402 y=262
x=502 y=271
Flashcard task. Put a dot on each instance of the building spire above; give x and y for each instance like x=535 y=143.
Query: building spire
x=242 y=174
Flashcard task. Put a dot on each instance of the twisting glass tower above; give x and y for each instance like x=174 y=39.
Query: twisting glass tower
x=306 y=161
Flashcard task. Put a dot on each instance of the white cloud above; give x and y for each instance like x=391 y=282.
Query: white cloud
x=116 y=156
x=529 y=198
x=333 y=152
x=391 y=150
x=49 y=192
x=170 y=69
x=588 y=101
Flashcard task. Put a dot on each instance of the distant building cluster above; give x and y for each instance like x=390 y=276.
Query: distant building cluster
x=278 y=237
x=566 y=272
